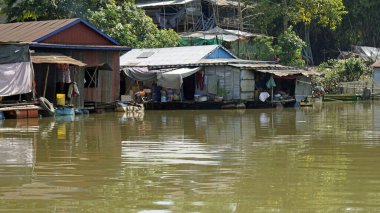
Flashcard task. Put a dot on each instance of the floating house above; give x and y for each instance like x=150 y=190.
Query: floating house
x=210 y=77
x=67 y=51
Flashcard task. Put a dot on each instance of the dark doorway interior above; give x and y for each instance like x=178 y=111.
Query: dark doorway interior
x=189 y=87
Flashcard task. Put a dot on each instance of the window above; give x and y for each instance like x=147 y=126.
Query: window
x=91 y=77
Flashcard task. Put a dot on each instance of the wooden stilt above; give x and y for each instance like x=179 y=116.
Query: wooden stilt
x=46 y=79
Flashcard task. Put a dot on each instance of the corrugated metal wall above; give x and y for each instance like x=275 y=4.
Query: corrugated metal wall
x=228 y=78
x=247 y=85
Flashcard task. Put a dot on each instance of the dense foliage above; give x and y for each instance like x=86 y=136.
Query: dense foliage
x=263 y=48
x=24 y=10
x=289 y=48
x=336 y=71
x=130 y=26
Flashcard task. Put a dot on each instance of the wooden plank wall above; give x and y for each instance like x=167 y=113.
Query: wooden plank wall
x=108 y=89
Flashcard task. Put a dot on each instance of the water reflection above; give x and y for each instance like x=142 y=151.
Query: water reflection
x=317 y=159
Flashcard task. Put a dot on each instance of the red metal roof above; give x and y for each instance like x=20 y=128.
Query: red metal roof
x=30 y=31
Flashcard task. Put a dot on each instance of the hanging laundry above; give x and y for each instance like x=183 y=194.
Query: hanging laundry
x=199 y=76
x=73 y=90
x=270 y=83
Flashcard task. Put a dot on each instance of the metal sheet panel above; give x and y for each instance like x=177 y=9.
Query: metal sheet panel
x=248 y=85
x=247 y=96
x=247 y=75
x=162 y=3
x=171 y=56
x=236 y=84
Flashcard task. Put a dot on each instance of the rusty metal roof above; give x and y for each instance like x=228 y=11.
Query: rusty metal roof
x=38 y=31
x=276 y=69
x=285 y=72
x=30 y=31
x=55 y=58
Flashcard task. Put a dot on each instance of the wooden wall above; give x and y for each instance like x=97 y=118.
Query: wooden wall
x=108 y=89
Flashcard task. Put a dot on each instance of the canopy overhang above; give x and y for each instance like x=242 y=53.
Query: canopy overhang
x=169 y=78
x=174 y=79
x=55 y=58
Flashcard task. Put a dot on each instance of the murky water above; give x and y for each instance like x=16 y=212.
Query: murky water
x=321 y=159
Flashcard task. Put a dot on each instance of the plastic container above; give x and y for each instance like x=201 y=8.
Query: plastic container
x=61 y=99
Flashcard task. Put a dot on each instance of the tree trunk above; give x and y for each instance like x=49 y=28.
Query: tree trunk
x=307 y=51
x=286 y=15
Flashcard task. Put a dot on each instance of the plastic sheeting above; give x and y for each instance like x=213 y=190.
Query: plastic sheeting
x=15 y=70
x=15 y=78
x=174 y=79
x=140 y=73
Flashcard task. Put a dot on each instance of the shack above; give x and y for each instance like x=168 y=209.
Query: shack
x=376 y=78
x=97 y=82
x=192 y=15
x=209 y=77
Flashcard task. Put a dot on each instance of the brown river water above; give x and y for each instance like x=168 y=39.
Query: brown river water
x=312 y=159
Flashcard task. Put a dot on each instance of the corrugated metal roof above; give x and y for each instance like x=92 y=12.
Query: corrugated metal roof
x=156 y=3
x=225 y=2
x=167 y=56
x=38 y=31
x=81 y=47
x=143 y=4
x=55 y=58
x=276 y=69
x=376 y=64
x=282 y=73
x=30 y=31
x=223 y=34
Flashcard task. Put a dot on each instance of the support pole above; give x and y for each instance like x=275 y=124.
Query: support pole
x=46 y=79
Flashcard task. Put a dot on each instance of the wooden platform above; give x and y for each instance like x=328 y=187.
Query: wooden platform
x=20 y=111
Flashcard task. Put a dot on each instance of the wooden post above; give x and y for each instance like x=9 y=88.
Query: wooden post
x=46 y=79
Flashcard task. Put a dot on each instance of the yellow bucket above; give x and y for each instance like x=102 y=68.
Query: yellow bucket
x=61 y=99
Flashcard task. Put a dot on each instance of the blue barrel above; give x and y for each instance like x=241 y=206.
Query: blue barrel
x=2 y=116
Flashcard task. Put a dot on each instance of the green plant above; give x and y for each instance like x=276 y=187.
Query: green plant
x=336 y=71
x=289 y=48
x=221 y=92
x=130 y=26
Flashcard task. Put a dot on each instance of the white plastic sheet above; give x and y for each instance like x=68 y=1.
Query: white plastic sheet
x=15 y=78
x=174 y=79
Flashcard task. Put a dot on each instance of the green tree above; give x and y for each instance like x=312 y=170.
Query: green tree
x=263 y=48
x=130 y=26
x=24 y=10
x=289 y=48
x=273 y=16
x=324 y=13
x=337 y=71
x=360 y=25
